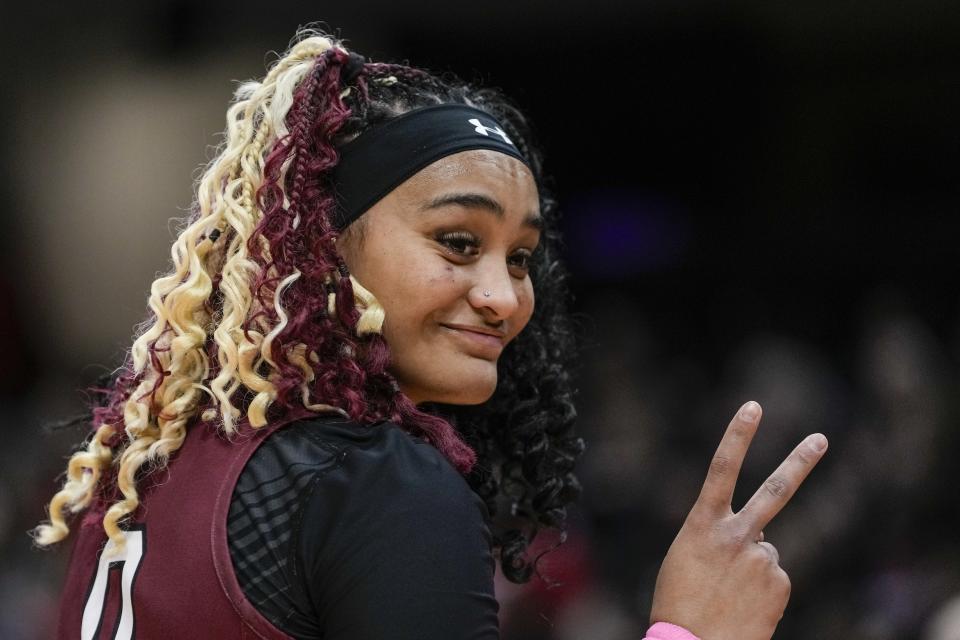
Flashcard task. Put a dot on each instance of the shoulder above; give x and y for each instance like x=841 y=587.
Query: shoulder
x=348 y=469
x=394 y=523
x=380 y=447
x=349 y=473
x=324 y=502
x=377 y=465
x=385 y=486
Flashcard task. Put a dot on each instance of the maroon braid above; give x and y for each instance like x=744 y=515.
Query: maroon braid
x=351 y=372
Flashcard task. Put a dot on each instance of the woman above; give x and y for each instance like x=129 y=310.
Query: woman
x=345 y=375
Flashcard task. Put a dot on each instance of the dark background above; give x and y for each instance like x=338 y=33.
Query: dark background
x=760 y=203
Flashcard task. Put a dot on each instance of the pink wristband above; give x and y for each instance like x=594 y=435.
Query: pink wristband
x=667 y=631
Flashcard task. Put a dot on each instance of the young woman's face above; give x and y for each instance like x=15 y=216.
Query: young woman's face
x=446 y=253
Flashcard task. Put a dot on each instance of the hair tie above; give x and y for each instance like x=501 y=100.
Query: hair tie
x=352 y=68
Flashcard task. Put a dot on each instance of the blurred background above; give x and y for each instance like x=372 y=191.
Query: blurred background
x=760 y=203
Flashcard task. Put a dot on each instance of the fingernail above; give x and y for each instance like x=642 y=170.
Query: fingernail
x=818 y=442
x=750 y=411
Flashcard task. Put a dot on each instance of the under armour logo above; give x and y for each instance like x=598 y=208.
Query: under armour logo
x=485 y=130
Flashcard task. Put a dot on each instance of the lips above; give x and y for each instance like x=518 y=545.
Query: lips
x=479 y=341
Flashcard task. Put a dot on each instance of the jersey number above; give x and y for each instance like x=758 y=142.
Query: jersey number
x=126 y=562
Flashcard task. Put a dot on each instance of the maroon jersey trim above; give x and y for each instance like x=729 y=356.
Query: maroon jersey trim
x=219 y=547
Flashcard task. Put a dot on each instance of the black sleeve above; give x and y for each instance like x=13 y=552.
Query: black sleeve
x=394 y=544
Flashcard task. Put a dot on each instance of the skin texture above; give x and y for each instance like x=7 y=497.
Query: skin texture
x=429 y=262
x=720 y=580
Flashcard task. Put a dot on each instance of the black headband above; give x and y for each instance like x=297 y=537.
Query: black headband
x=377 y=161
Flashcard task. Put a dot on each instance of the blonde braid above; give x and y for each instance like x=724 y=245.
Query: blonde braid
x=268 y=103
x=167 y=396
x=83 y=475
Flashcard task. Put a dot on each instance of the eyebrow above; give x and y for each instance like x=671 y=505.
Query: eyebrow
x=480 y=201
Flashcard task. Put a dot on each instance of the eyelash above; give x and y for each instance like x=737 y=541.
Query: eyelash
x=460 y=243
x=457 y=242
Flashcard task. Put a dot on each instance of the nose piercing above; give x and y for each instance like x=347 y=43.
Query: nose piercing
x=486 y=294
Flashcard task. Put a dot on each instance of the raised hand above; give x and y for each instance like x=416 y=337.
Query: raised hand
x=720 y=579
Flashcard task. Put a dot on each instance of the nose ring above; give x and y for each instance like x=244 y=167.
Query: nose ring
x=486 y=294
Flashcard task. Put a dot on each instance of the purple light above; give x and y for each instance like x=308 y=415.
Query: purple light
x=621 y=233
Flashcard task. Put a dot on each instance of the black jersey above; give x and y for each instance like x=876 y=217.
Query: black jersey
x=341 y=531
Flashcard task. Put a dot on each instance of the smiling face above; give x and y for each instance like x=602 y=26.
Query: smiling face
x=446 y=253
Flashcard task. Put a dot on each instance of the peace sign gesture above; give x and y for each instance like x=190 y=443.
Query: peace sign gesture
x=720 y=579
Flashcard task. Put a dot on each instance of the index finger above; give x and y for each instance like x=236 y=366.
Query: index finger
x=777 y=490
x=717 y=491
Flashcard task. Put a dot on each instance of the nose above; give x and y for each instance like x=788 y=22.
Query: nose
x=494 y=291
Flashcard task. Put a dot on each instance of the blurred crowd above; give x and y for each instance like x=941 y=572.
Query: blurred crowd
x=869 y=540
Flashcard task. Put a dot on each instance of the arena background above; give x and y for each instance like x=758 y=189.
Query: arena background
x=761 y=202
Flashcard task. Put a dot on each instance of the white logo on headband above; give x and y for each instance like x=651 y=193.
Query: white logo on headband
x=485 y=130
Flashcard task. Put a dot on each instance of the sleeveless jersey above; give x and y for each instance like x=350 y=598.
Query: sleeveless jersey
x=174 y=578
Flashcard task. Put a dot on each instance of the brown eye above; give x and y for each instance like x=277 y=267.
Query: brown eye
x=460 y=243
x=520 y=261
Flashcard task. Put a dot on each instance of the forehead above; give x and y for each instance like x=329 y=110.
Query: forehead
x=501 y=176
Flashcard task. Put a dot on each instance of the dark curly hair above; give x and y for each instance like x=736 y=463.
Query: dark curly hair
x=523 y=435
x=518 y=450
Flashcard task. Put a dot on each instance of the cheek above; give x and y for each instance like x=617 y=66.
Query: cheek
x=442 y=275
x=421 y=290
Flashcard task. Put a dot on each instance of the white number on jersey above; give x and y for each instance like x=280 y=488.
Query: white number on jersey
x=126 y=561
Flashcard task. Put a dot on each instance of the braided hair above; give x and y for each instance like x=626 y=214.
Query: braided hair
x=260 y=316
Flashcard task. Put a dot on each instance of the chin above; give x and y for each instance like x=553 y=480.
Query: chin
x=475 y=385
x=470 y=387
x=471 y=397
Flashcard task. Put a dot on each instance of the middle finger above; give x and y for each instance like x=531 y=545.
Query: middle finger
x=777 y=490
